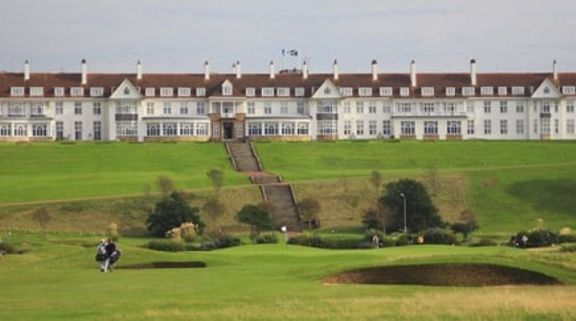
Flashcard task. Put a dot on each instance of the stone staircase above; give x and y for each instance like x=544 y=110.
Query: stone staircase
x=265 y=179
x=282 y=197
x=242 y=156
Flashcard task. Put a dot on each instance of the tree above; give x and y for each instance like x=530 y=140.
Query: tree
x=217 y=178
x=255 y=216
x=308 y=209
x=376 y=179
x=214 y=208
x=171 y=212
x=42 y=217
x=466 y=224
x=376 y=218
x=420 y=212
x=165 y=185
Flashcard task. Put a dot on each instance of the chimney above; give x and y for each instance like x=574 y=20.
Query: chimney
x=26 y=70
x=335 y=69
x=555 y=69
x=139 y=70
x=206 y=70
x=271 y=66
x=374 y=70
x=304 y=70
x=413 y=73
x=84 y=72
x=473 y=72
x=238 y=70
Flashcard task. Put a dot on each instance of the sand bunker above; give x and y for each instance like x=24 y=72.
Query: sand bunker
x=444 y=275
x=165 y=265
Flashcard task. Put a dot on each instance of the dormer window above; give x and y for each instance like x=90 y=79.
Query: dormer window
x=250 y=92
x=200 y=91
x=96 y=91
x=364 y=91
x=59 y=91
x=487 y=91
x=299 y=92
x=517 y=91
x=150 y=92
x=502 y=91
x=450 y=91
x=568 y=90
x=166 y=92
x=226 y=90
x=17 y=91
x=76 y=91
x=346 y=91
x=386 y=91
x=283 y=91
x=184 y=92
x=468 y=91
x=404 y=91
x=267 y=92
x=36 y=91
x=427 y=91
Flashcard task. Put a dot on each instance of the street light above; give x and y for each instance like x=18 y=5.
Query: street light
x=405 y=226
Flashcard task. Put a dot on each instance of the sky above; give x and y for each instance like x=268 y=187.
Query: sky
x=179 y=35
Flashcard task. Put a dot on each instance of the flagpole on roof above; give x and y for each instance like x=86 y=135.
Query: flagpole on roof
x=283 y=59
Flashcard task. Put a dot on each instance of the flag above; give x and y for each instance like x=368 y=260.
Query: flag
x=290 y=52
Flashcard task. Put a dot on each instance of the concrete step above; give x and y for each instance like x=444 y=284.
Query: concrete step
x=285 y=213
x=243 y=157
x=265 y=179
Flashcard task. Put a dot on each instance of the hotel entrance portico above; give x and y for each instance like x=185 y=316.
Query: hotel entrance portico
x=227 y=119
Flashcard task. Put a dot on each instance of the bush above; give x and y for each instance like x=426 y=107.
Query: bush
x=266 y=238
x=403 y=240
x=567 y=238
x=316 y=241
x=568 y=248
x=483 y=242
x=167 y=246
x=10 y=248
x=537 y=238
x=214 y=243
x=439 y=236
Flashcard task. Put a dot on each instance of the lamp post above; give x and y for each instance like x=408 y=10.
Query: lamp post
x=404 y=201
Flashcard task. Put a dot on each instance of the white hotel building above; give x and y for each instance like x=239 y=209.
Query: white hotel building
x=289 y=105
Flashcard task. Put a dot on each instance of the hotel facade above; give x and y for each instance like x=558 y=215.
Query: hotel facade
x=286 y=105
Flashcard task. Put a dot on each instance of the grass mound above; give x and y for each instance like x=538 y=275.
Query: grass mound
x=444 y=275
x=164 y=265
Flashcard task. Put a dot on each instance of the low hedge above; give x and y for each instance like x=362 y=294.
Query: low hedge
x=330 y=243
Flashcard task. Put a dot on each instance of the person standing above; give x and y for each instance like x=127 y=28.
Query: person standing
x=101 y=255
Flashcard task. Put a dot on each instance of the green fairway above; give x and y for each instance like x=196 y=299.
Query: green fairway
x=58 y=280
x=41 y=172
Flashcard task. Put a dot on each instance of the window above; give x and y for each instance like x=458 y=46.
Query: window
x=267 y=108
x=184 y=92
x=152 y=129
x=303 y=129
x=346 y=91
x=503 y=107
x=359 y=107
x=487 y=107
x=503 y=126
x=59 y=91
x=267 y=92
x=372 y=128
x=404 y=107
x=39 y=130
x=487 y=127
x=386 y=128
x=169 y=129
x=404 y=91
x=288 y=128
x=167 y=110
x=470 y=127
x=200 y=91
x=59 y=130
x=386 y=91
x=568 y=90
x=385 y=108
x=449 y=107
x=78 y=130
x=570 y=106
x=470 y=106
x=300 y=108
x=202 y=129
x=535 y=126
x=97 y=108
x=251 y=108
x=59 y=108
x=556 y=126
x=570 y=126
x=519 y=126
x=96 y=91
x=283 y=92
x=299 y=92
x=125 y=108
x=6 y=129
x=226 y=90
x=453 y=128
x=37 y=110
x=250 y=92
x=16 y=110
x=183 y=108
x=97 y=134
x=468 y=91
x=427 y=107
x=271 y=128
x=487 y=91
x=150 y=92
x=150 y=108
x=450 y=91
x=20 y=130
x=200 y=108
x=407 y=128
x=166 y=92
x=347 y=127
x=186 y=129
x=77 y=108
x=372 y=108
x=427 y=91
x=283 y=107
x=364 y=91
x=546 y=107
x=254 y=129
x=17 y=91
x=327 y=127
x=347 y=108
x=430 y=128
x=36 y=91
x=519 y=108
x=502 y=91
x=517 y=91
x=76 y=91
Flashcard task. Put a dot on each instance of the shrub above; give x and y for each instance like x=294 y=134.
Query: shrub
x=266 y=238
x=316 y=241
x=167 y=246
x=537 y=238
x=403 y=240
x=567 y=238
x=439 y=236
x=10 y=248
x=218 y=242
x=569 y=248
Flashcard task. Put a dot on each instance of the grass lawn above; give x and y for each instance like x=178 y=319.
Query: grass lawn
x=52 y=171
x=58 y=280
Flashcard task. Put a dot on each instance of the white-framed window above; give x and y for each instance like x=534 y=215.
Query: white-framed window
x=327 y=127
x=250 y=91
x=502 y=91
x=519 y=107
x=200 y=108
x=519 y=126
x=283 y=91
x=254 y=129
x=283 y=107
x=569 y=90
x=299 y=92
x=386 y=128
x=77 y=108
x=303 y=128
x=347 y=127
x=59 y=91
x=59 y=130
x=386 y=108
x=16 y=110
x=427 y=91
x=470 y=107
x=150 y=92
x=20 y=129
x=5 y=129
x=37 y=109
x=77 y=130
x=59 y=109
x=16 y=91
x=36 y=91
x=385 y=91
x=271 y=128
x=407 y=128
x=359 y=127
x=267 y=92
x=453 y=127
x=404 y=91
x=183 y=108
x=449 y=107
x=150 y=108
x=450 y=91
x=556 y=126
x=359 y=107
x=170 y=129
x=153 y=129
x=202 y=129
x=517 y=90
x=503 y=106
x=364 y=91
x=267 y=108
x=167 y=108
x=372 y=128
x=487 y=106
x=76 y=91
x=372 y=108
x=288 y=128
x=97 y=108
x=346 y=91
x=570 y=126
x=96 y=91
x=470 y=130
x=226 y=90
x=503 y=126
x=430 y=128
x=487 y=127
x=468 y=91
x=39 y=130
x=347 y=108
x=427 y=107
x=404 y=107
x=251 y=108
x=300 y=107
x=200 y=92
x=535 y=126
x=486 y=91
x=184 y=92
x=570 y=106
x=166 y=92
x=186 y=129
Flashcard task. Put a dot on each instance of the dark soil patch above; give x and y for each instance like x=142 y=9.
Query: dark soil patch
x=164 y=265
x=444 y=275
